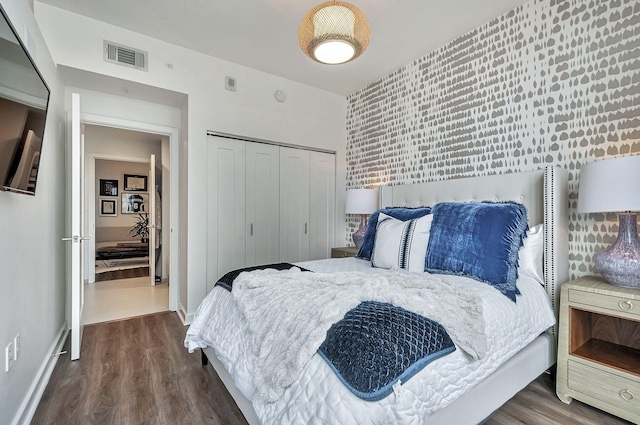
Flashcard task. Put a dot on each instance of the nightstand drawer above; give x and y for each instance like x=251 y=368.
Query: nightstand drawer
x=618 y=304
x=612 y=389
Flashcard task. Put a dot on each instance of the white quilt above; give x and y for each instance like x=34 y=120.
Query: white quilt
x=319 y=397
x=289 y=313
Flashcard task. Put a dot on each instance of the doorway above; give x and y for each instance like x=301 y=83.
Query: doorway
x=119 y=192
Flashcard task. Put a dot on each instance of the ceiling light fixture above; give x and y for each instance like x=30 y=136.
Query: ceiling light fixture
x=334 y=32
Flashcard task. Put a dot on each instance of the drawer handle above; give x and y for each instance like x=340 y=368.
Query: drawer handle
x=627 y=395
x=625 y=305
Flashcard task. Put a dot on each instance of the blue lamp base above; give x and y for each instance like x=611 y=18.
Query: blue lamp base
x=620 y=263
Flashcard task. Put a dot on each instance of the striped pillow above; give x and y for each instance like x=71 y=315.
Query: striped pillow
x=401 y=244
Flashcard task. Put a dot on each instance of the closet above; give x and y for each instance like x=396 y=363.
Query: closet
x=267 y=204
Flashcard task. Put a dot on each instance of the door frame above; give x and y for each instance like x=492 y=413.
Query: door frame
x=172 y=134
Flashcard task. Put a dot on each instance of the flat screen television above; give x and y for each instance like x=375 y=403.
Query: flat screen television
x=24 y=98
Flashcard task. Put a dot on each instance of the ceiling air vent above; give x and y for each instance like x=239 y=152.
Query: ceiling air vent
x=125 y=56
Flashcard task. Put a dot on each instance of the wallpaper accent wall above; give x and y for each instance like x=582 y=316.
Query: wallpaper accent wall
x=551 y=82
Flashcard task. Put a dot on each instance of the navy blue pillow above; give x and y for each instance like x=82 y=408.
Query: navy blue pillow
x=399 y=213
x=479 y=240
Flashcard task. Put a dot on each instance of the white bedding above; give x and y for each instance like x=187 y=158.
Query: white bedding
x=318 y=396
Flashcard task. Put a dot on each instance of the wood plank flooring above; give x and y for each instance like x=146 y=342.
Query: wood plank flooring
x=137 y=371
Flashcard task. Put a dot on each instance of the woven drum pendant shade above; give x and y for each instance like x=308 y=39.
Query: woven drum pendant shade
x=334 y=32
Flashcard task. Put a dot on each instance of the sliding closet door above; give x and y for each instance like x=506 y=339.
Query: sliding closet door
x=294 y=204
x=322 y=206
x=263 y=204
x=226 y=206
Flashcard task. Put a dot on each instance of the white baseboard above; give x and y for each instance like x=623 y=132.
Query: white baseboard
x=32 y=399
x=185 y=318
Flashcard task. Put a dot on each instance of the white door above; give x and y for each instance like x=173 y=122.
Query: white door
x=322 y=209
x=262 y=203
x=151 y=213
x=76 y=188
x=226 y=240
x=294 y=204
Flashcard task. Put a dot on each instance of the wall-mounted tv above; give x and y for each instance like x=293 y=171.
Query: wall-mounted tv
x=24 y=98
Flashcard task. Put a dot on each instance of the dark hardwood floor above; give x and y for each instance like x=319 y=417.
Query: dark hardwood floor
x=137 y=371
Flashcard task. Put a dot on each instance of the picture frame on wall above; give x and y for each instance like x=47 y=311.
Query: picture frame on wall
x=108 y=208
x=108 y=187
x=134 y=203
x=135 y=182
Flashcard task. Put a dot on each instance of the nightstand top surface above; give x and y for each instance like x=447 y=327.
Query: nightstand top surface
x=598 y=284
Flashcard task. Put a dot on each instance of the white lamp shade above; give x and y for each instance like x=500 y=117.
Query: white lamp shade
x=610 y=185
x=361 y=201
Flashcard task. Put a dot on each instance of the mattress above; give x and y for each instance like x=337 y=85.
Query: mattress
x=318 y=396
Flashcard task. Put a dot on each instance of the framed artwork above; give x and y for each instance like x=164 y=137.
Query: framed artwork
x=135 y=182
x=134 y=203
x=108 y=208
x=108 y=187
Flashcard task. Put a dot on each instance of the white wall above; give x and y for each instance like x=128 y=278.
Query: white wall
x=310 y=117
x=32 y=255
x=115 y=170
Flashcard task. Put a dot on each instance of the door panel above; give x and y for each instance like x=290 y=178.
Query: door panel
x=262 y=203
x=226 y=206
x=77 y=226
x=322 y=210
x=294 y=204
x=152 y=219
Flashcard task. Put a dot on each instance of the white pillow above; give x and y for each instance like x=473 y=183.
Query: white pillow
x=530 y=255
x=401 y=244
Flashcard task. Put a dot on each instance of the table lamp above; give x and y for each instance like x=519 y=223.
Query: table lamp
x=363 y=202
x=613 y=185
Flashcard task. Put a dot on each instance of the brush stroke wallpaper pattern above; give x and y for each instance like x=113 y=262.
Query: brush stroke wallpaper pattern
x=551 y=82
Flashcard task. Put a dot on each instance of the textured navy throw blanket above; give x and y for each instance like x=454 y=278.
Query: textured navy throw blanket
x=226 y=281
x=375 y=345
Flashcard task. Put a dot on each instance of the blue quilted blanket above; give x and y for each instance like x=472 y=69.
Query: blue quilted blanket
x=376 y=344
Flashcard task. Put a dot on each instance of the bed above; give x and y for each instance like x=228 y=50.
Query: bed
x=115 y=243
x=453 y=388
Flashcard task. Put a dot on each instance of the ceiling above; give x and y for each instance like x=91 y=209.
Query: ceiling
x=262 y=34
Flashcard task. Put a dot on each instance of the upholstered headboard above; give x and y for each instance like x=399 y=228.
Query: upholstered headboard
x=543 y=192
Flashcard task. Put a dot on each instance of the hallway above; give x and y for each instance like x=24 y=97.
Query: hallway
x=124 y=298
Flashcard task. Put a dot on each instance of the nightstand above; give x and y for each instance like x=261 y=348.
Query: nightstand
x=599 y=346
x=345 y=251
